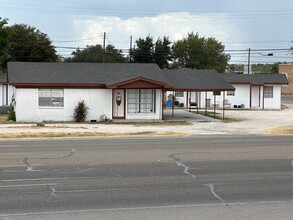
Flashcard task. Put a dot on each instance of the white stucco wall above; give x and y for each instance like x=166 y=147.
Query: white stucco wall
x=275 y=102
x=27 y=109
x=149 y=116
x=242 y=97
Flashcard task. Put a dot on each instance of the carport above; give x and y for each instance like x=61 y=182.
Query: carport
x=196 y=84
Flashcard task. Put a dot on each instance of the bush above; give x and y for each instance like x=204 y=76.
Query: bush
x=11 y=115
x=80 y=111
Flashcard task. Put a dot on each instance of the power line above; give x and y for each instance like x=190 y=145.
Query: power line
x=55 y=9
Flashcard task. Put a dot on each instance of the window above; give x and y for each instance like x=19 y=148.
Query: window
x=179 y=94
x=268 y=92
x=216 y=93
x=230 y=93
x=51 y=97
x=141 y=100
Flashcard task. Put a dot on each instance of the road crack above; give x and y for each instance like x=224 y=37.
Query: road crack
x=181 y=164
x=30 y=167
x=212 y=190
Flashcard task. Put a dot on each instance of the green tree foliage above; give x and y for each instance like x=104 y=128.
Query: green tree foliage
x=162 y=54
x=144 y=50
x=4 y=35
x=200 y=53
x=29 y=44
x=96 y=54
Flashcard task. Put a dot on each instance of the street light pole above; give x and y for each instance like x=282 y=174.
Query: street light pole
x=248 y=68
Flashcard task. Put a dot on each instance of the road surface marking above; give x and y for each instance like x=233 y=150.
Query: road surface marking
x=29 y=185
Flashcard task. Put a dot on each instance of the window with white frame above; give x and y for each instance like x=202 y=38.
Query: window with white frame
x=141 y=100
x=216 y=93
x=51 y=97
x=230 y=93
x=268 y=92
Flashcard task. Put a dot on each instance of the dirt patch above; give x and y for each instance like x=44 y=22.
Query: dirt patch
x=3 y=118
x=281 y=130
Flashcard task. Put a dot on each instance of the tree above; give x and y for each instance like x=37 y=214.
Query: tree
x=96 y=54
x=162 y=52
x=4 y=35
x=275 y=68
x=29 y=44
x=144 y=50
x=199 y=52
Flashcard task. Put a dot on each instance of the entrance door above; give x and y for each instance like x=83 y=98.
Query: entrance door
x=118 y=104
x=255 y=96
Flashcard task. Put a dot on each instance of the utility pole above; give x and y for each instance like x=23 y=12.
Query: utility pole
x=248 y=68
x=104 y=47
x=130 y=49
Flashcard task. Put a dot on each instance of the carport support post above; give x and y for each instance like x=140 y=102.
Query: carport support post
x=223 y=105
x=206 y=107
x=214 y=105
x=173 y=103
x=197 y=100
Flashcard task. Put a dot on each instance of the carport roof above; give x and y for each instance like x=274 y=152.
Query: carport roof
x=197 y=80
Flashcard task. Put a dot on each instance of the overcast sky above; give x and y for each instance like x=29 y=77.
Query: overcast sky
x=238 y=24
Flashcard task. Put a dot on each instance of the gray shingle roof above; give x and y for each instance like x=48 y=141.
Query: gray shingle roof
x=82 y=73
x=256 y=79
x=108 y=74
x=195 y=79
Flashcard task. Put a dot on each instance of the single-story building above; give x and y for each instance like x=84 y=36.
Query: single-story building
x=50 y=91
x=252 y=91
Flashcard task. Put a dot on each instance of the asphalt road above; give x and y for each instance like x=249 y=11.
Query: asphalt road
x=148 y=178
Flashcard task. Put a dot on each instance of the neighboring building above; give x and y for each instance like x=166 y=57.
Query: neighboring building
x=252 y=91
x=256 y=91
x=50 y=91
x=6 y=91
x=287 y=69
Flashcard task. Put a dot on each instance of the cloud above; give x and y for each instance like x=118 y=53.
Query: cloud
x=174 y=25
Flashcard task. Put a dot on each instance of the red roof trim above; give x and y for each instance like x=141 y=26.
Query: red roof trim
x=121 y=84
x=57 y=85
x=261 y=84
x=200 y=90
